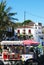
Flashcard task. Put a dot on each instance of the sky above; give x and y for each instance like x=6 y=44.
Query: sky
x=31 y=9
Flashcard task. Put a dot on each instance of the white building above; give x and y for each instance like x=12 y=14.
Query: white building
x=35 y=30
x=31 y=29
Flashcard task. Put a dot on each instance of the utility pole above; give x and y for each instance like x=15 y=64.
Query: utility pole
x=24 y=25
x=24 y=15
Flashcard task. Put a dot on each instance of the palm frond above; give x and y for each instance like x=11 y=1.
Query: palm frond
x=8 y=9
x=12 y=14
x=5 y=15
x=12 y=18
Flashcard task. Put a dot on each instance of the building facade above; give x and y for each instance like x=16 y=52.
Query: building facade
x=35 y=30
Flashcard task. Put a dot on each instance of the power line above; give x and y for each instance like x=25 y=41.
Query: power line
x=36 y=16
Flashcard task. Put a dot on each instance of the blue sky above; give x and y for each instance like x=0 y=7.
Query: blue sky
x=34 y=9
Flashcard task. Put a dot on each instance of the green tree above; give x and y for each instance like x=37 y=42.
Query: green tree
x=5 y=15
x=26 y=22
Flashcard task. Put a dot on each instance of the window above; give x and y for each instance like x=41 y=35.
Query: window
x=35 y=27
x=24 y=31
x=29 y=31
x=18 y=31
x=39 y=32
x=39 y=28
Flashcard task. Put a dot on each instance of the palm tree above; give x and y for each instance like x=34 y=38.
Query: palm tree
x=5 y=15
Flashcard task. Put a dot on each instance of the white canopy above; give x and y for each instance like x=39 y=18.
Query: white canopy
x=12 y=43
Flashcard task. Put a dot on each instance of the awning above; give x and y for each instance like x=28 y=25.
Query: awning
x=30 y=42
x=12 y=43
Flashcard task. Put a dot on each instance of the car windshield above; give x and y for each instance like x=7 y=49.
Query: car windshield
x=18 y=49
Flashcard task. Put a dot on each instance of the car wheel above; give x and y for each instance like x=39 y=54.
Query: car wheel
x=18 y=63
x=1 y=62
x=32 y=62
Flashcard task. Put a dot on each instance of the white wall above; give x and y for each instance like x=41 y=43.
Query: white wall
x=35 y=30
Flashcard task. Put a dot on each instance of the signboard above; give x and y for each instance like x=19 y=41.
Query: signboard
x=42 y=43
